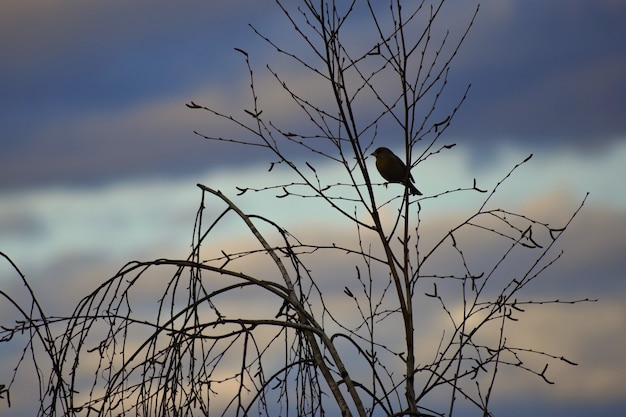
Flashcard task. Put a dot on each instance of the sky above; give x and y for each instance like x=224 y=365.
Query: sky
x=99 y=161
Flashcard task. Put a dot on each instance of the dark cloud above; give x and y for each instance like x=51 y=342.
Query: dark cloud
x=78 y=69
x=547 y=71
x=82 y=58
x=543 y=74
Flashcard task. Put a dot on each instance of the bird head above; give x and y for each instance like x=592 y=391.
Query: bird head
x=381 y=151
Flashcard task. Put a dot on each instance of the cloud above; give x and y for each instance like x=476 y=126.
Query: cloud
x=540 y=72
x=71 y=70
x=588 y=334
x=76 y=91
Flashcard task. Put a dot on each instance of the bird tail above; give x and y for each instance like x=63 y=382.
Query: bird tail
x=412 y=189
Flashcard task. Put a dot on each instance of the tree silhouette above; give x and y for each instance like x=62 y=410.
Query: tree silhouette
x=388 y=319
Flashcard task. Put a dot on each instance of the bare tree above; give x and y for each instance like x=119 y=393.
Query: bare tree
x=256 y=329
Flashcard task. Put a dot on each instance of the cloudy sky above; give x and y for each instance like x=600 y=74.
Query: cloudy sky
x=98 y=159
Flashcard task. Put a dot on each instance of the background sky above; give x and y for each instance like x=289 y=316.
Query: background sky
x=98 y=160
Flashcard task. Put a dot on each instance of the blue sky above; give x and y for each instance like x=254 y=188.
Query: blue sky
x=98 y=160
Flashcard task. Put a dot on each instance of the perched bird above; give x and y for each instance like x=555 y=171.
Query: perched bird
x=393 y=169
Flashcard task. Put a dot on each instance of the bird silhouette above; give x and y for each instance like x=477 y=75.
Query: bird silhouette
x=393 y=169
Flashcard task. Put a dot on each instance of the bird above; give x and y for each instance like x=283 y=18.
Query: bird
x=393 y=169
